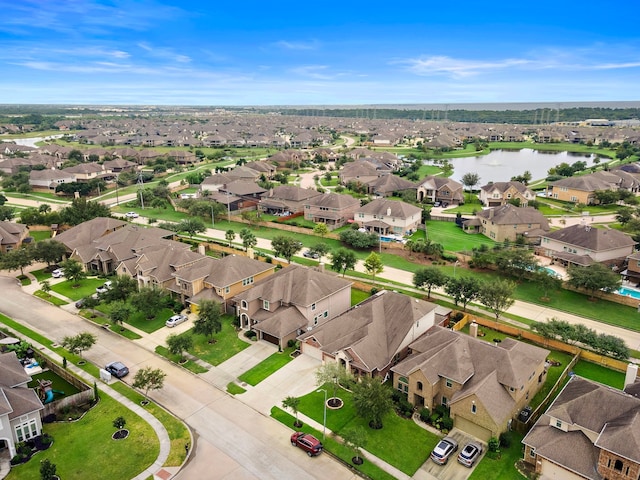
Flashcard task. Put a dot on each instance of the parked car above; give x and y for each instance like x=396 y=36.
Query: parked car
x=307 y=442
x=57 y=273
x=117 y=369
x=469 y=454
x=176 y=320
x=131 y=215
x=104 y=287
x=311 y=254
x=443 y=450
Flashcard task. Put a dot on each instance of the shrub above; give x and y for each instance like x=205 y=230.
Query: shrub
x=374 y=290
x=441 y=410
x=446 y=423
x=291 y=343
x=493 y=444
x=424 y=414
x=250 y=334
x=505 y=439
x=17 y=459
x=433 y=419
x=458 y=316
x=404 y=407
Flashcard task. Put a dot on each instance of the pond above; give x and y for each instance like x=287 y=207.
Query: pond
x=501 y=165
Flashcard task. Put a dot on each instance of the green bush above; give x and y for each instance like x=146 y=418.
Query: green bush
x=424 y=414
x=446 y=423
x=404 y=407
x=250 y=334
x=505 y=439
x=493 y=444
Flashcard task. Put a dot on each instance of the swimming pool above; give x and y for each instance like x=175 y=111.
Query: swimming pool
x=629 y=292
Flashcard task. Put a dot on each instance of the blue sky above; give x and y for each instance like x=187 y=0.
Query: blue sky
x=223 y=52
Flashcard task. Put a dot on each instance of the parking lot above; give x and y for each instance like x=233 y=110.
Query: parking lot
x=452 y=470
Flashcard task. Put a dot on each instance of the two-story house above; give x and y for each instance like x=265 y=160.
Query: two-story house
x=483 y=384
x=385 y=217
x=434 y=188
x=583 y=245
x=218 y=280
x=590 y=431
x=332 y=209
x=508 y=222
x=20 y=406
x=372 y=336
x=12 y=235
x=291 y=301
x=496 y=194
x=286 y=199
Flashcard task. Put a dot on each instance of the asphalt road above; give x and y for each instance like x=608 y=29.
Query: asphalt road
x=232 y=439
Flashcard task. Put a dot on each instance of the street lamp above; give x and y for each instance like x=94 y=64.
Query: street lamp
x=213 y=223
x=324 y=414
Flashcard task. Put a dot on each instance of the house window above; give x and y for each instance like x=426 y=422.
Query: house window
x=227 y=289
x=444 y=401
x=532 y=452
x=419 y=386
x=244 y=305
x=559 y=423
x=26 y=430
x=448 y=383
x=313 y=307
x=265 y=304
x=403 y=384
x=474 y=409
x=325 y=314
x=618 y=465
x=247 y=281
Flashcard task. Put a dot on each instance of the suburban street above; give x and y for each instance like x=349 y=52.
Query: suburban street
x=232 y=440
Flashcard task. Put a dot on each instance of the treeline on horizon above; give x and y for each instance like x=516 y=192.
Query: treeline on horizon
x=45 y=116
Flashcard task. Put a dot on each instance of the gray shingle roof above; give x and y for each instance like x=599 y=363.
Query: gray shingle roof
x=595 y=239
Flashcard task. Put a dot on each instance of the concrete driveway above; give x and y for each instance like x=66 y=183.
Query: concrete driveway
x=452 y=470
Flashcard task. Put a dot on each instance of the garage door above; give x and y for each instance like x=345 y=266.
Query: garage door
x=313 y=352
x=551 y=470
x=472 y=429
x=270 y=338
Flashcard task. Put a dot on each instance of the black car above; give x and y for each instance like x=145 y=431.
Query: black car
x=117 y=369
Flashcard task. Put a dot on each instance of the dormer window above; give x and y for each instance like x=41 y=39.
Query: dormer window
x=559 y=424
x=265 y=304
x=244 y=305
x=448 y=383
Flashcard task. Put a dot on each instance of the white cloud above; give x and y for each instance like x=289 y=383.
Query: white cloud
x=438 y=65
x=299 y=45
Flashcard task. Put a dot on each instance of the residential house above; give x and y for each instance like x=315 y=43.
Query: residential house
x=496 y=194
x=583 y=245
x=48 y=180
x=20 y=406
x=371 y=337
x=219 y=280
x=483 y=384
x=582 y=189
x=84 y=172
x=332 y=209
x=12 y=235
x=291 y=301
x=88 y=231
x=434 y=188
x=286 y=199
x=387 y=185
x=590 y=431
x=632 y=272
x=362 y=171
x=509 y=222
x=389 y=217
x=156 y=265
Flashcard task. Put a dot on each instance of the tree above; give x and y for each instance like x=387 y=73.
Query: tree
x=373 y=265
x=17 y=259
x=148 y=300
x=208 y=322
x=496 y=295
x=470 y=180
x=321 y=229
x=332 y=373
x=285 y=247
x=119 y=312
x=372 y=400
x=359 y=240
x=428 y=277
x=293 y=403
x=594 y=278
x=462 y=290
x=73 y=271
x=49 y=251
x=82 y=210
x=178 y=344
x=149 y=378
x=320 y=248
x=355 y=438
x=191 y=226
x=122 y=288
x=79 y=343
x=547 y=283
x=45 y=286
x=342 y=260
x=249 y=240
x=47 y=470
x=515 y=262
x=230 y=235
x=7 y=213
x=119 y=423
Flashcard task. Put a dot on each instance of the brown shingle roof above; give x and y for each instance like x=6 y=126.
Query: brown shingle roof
x=595 y=239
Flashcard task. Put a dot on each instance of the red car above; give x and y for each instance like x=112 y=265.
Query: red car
x=307 y=442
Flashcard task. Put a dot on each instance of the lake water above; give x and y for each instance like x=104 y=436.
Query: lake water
x=501 y=165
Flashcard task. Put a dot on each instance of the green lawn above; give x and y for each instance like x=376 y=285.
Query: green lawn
x=600 y=374
x=100 y=320
x=49 y=298
x=382 y=443
x=268 y=366
x=226 y=346
x=85 y=288
x=453 y=238
x=40 y=235
x=140 y=321
x=189 y=365
x=358 y=296
x=41 y=275
x=234 y=389
x=90 y=438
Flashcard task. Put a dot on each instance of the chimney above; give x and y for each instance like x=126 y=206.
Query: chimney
x=388 y=211
x=631 y=375
x=250 y=252
x=201 y=250
x=473 y=329
x=491 y=213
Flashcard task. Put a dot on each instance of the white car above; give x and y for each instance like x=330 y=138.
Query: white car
x=104 y=287
x=57 y=273
x=176 y=320
x=131 y=215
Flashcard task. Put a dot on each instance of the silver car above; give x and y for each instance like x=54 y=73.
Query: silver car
x=469 y=454
x=444 y=449
x=176 y=320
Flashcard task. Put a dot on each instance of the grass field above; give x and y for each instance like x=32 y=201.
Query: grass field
x=85 y=288
x=453 y=238
x=227 y=344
